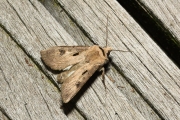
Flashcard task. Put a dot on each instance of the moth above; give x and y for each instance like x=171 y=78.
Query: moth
x=77 y=63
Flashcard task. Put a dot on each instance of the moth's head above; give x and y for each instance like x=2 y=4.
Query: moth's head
x=107 y=50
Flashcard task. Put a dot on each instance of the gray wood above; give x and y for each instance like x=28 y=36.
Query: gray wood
x=66 y=22
x=3 y=114
x=168 y=12
x=146 y=81
x=148 y=69
x=25 y=92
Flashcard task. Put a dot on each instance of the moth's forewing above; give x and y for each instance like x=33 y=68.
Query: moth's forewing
x=74 y=83
x=66 y=73
x=84 y=61
x=60 y=57
x=95 y=58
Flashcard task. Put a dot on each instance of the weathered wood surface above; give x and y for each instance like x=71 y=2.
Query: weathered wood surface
x=146 y=80
x=166 y=11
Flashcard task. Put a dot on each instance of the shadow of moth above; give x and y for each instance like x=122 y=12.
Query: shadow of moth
x=77 y=63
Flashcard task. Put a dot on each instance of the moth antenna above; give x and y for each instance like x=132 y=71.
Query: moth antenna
x=122 y=50
x=107 y=29
x=107 y=36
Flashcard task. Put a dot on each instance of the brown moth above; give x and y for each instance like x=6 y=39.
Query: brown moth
x=77 y=63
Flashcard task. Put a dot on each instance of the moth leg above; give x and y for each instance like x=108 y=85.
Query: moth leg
x=111 y=79
x=103 y=78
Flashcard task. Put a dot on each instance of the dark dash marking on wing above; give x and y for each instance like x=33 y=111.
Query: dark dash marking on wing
x=78 y=84
x=62 y=52
x=84 y=72
x=75 y=54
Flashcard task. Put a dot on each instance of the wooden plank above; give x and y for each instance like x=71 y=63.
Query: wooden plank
x=25 y=93
x=150 y=72
x=133 y=113
x=66 y=22
x=160 y=20
x=36 y=28
x=167 y=11
x=123 y=85
x=63 y=18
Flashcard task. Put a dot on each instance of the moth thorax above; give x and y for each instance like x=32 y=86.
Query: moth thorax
x=107 y=50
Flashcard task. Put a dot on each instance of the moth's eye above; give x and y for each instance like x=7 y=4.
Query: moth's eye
x=62 y=52
x=75 y=54
x=84 y=72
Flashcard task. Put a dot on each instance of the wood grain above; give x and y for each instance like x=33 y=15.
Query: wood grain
x=146 y=80
x=166 y=11
x=25 y=91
